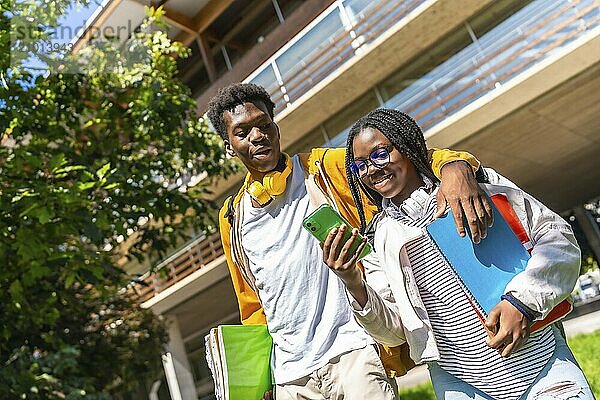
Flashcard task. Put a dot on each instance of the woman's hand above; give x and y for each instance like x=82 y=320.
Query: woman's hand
x=509 y=328
x=460 y=190
x=342 y=261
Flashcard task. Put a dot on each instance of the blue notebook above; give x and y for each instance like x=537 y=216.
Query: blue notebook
x=484 y=268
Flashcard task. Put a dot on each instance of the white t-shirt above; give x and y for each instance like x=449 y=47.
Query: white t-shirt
x=307 y=312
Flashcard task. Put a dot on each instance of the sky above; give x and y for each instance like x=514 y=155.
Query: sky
x=76 y=17
x=71 y=22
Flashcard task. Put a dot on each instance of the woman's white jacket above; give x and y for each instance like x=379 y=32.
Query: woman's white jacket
x=395 y=313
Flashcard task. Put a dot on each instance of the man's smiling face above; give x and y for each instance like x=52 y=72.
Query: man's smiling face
x=253 y=137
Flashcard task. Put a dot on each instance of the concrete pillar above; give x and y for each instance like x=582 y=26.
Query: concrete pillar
x=590 y=229
x=177 y=366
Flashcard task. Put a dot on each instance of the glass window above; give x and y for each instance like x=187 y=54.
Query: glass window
x=257 y=20
x=495 y=13
x=425 y=62
x=192 y=70
x=320 y=36
x=355 y=7
x=196 y=353
x=197 y=79
x=220 y=63
x=199 y=365
x=266 y=78
x=449 y=75
x=239 y=28
x=234 y=52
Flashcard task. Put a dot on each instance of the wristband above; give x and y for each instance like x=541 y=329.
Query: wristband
x=519 y=306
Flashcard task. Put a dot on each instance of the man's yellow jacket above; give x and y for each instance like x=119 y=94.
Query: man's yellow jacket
x=331 y=179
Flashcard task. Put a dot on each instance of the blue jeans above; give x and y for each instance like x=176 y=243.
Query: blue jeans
x=561 y=379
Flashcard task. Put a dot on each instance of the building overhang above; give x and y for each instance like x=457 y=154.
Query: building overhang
x=200 y=301
x=186 y=19
x=189 y=287
x=541 y=129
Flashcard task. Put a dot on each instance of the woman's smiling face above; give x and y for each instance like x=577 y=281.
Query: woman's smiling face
x=395 y=180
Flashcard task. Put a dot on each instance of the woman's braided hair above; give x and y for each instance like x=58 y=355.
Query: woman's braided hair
x=406 y=136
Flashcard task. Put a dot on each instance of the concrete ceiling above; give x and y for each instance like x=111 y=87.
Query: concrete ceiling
x=551 y=146
x=187 y=7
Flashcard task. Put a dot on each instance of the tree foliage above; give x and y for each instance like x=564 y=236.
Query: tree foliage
x=103 y=155
x=588 y=258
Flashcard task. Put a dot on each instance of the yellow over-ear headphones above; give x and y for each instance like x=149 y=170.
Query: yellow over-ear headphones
x=273 y=184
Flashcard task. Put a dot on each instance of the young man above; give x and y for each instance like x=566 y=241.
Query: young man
x=277 y=267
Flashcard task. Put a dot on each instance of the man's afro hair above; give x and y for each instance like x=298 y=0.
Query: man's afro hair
x=229 y=97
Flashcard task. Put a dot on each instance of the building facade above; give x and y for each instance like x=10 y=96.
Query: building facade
x=515 y=82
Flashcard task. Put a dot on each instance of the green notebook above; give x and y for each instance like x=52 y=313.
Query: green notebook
x=239 y=357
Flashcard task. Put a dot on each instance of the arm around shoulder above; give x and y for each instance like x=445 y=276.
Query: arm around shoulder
x=441 y=157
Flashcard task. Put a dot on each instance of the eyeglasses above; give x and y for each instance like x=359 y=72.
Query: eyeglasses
x=379 y=158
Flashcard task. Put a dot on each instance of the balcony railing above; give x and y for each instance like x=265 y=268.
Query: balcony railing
x=190 y=258
x=517 y=44
x=333 y=38
x=528 y=37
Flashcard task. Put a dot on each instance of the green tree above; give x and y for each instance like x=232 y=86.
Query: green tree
x=588 y=258
x=103 y=156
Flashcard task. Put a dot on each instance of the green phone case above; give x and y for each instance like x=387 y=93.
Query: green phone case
x=324 y=219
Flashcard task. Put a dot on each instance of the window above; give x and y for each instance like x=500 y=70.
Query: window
x=196 y=353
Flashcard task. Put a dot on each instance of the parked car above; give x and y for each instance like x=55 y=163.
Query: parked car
x=587 y=288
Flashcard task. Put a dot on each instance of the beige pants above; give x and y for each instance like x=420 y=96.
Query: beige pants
x=357 y=375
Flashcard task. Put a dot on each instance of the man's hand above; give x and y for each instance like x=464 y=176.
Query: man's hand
x=509 y=328
x=268 y=395
x=342 y=262
x=462 y=192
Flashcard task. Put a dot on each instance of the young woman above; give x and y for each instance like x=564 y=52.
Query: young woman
x=410 y=293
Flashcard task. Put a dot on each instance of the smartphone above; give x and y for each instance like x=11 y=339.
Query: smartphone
x=321 y=221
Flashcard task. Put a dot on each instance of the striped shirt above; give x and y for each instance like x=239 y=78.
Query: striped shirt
x=458 y=331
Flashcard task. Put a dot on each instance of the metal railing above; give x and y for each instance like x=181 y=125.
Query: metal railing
x=188 y=259
x=333 y=38
x=520 y=42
